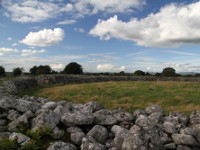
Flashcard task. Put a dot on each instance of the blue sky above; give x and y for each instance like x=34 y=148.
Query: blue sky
x=102 y=36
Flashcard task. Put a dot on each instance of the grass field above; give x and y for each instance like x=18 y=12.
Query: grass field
x=172 y=96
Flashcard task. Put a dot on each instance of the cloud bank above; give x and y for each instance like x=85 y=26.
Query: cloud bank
x=173 y=26
x=38 y=11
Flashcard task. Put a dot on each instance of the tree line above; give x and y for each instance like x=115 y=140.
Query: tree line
x=75 y=68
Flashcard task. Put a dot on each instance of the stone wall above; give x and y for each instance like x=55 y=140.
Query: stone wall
x=90 y=126
x=27 y=82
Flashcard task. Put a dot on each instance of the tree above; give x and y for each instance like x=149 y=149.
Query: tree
x=40 y=70
x=33 y=70
x=73 y=68
x=169 y=72
x=43 y=70
x=17 y=71
x=139 y=73
x=2 y=71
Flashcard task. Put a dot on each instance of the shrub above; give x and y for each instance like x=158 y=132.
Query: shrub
x=31 y=145
x=139 y=73
x=2 y=71
x=6 y=144
x=17 y=71
x=73 y=68
x=169 y=72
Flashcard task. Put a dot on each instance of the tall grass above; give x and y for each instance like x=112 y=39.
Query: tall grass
x=172 y=96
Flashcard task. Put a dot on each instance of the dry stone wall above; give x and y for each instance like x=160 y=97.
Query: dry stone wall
x=90 y=126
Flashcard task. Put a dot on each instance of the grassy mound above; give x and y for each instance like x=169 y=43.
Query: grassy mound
x=172 y=96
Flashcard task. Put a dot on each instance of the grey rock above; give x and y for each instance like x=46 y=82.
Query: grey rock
x=62 y=146
x=143 y=121
x=164 y=137
x=99 y=133
x=153 y=108
x=45 y=117
x=89 y=143
x=182 y=117
x=182 y=139
x=29 y=114
x=134 y=140
x=57 y=133
x=24 y=106
x=156 y=117
x=139 y=112
x=188 y=131
x=2 y=122
x=14 y=125
x=76 y=137
x=77 y=118
x=119 y=133
x=4 y=135
x=92 y=107
x=7 y=102
x=20 y=138
x=123 y=116
x=104 y=117
x=169 y=128
x=49 y=105
x=195 y=117
x=170 y=146
x=74 y=129
x=13 y=115
x=181 y=147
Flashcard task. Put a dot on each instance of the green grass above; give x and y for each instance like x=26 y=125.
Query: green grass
x=172 y=96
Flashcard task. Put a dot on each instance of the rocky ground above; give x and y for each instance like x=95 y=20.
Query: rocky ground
x=40 y=123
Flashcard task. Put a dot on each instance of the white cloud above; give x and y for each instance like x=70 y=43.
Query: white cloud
x=57 y=66
x=46 y=37
x=105 y=67
x=66 y=22
x=174 y=25
x=79 y=30
x=123 y=68
x=10 y=39
x=182 y=53
x=27 y=52
x=110 y=68
x=37 y=11
x=33 y=10
x=7 y=50
x=108 y=6
x=15 y=44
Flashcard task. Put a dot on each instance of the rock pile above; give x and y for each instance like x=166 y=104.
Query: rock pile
x=92 y=127
x=73 y=126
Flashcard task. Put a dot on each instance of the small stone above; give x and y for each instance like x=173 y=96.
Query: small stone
x=195 y=117
x=74 y=129
x=49 y=105
x=99 y=133
x=77 y=118
x=182 y=139
x=188 y=131
x=169 y=128
x=153 y=108
x=62 y=146
x=181 y=147
x=76 y=137
x=89 y=143
x=20 y=138
x=170 y=146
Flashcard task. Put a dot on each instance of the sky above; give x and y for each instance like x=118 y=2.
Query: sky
x=101 y=35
